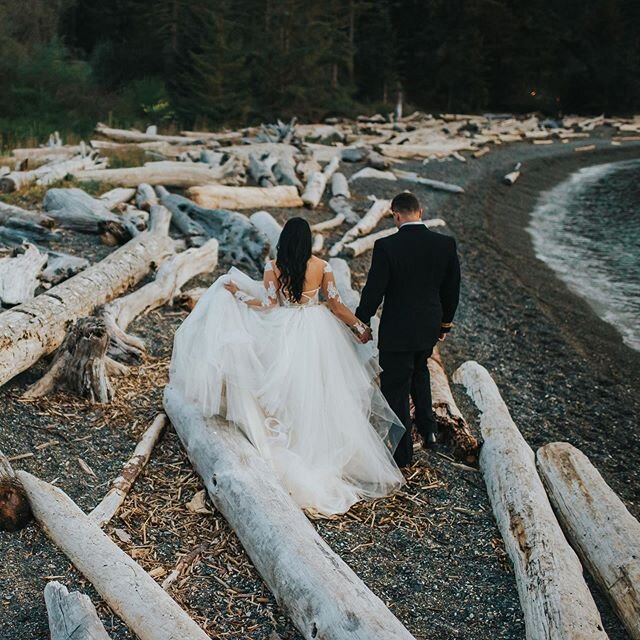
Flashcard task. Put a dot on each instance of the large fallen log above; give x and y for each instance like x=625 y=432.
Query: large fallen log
x=321 y=594
x=120 y=487
x=127 y=135
x=284 y=171
x=240 y=242
x=127 y=588
x=15 y=512
x=556 y=602
x=117 y=197
x=193 y=232
x=598 y=525
x=223 y=197
x=317 y=182
x=175 y=174
x=19 y=275
x=410 y=176
x=8 y=211
x=47 y=154
x=72 y=616
x=170 y=278
x=448 y=416
x=37 y=327
x=378 y=210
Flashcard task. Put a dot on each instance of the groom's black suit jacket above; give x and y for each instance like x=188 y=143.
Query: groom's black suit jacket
x=417 y=273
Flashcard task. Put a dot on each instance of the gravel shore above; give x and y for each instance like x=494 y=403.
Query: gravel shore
x=433 y=553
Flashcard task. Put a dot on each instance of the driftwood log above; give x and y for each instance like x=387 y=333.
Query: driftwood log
x=448 y=416
x=37 y=327
x=15 y=512
x=9 y=211
x=126 y=135
x=260 y=171
x=598 y=525
x=409 y=176
x=222 y=197
x=328 y=224
x=194 y=234
x=321 y=594
x=72 y=616
x=317 y=182
x=240 y=242
x=127 y=588
x=117 y=197
x=61 y=266
x=271 y=228
x=378 y=210
x=81 y=365
x=512 y=176
x=556 y=602
x=170 y=278
x=120 y=487
x=19 y=275
x=284 y=171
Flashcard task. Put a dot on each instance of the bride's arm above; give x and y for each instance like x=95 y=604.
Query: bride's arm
x=337 y=307
x=270 y=282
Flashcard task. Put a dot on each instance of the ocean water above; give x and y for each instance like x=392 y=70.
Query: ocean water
x=587 y=229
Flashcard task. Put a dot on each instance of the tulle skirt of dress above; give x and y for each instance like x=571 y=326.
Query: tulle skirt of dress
x=301 y=389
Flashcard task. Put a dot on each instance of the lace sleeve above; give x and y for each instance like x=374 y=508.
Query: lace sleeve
x=333 y=299
x=270 y=297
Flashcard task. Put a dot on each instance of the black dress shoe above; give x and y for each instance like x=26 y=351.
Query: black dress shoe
x=430 y=440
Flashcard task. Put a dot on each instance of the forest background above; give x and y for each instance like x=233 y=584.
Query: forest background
x=66 y=64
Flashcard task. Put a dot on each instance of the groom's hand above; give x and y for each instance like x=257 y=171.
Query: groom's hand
x=442 y=337
x=366 y=336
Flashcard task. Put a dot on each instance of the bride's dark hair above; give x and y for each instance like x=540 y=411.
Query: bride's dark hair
x=294 y=251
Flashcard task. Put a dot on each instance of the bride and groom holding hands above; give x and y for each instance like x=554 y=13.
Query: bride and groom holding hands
x=291 y=366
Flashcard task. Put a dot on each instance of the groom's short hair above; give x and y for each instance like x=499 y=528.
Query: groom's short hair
x=405 y=204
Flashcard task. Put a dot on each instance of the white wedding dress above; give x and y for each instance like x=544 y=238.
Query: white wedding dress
x=297 y=383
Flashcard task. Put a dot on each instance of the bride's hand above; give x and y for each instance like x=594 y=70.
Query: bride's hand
x=231 y=287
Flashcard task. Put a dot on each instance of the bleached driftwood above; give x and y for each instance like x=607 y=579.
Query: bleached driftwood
x=19 y=275
x=553 y=594
x=9 y=211
x=120 y=487
x=175 y=174
x=303 y=573
x=47 y=154
x=75 y=209
x=364 y=244
x=369 y=172
x=37 y=327
x=377 y=161
x=378 y=210
x=48 y=173
x=328 y=224
x=72 y=616
x=125 y=586
x=342 y=274
x=284 y=171
x=410 y=176
x=171 y=276
x=512 y=176
x=261 y=172
x=340 y=186
x=307 y=167
x=241 y=243
x=318 y=243
x=195 y=235
x=271 y=228
x=61 y=266
x=317 y=182
x=127 y=135
x=222 y=197
x=598 y=525
x=447 y=414
x=15 y=512
x=117 y=197
x=342 y=207
x=80 y=365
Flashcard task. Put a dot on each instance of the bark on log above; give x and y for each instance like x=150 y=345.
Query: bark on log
x=170 y=278
x=240 y=242
x=80 y=364
x=126 y=135
x=317 y=182
x=600 y=528
x=15 y=512
x=297 y=565
x=49 y=173
x=129 y=590
x=447 y=414
x=362 y=245
x=223 y=197
x=120 y=487
x=271 y=228
x=75 y=209
x=175 y=174
x=553 y=594
x=19 y=275
x=37 y=327
x=409 y=176
x=378 y=210
x=72 y=616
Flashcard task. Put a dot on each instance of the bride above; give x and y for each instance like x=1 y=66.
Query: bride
x=288 y=371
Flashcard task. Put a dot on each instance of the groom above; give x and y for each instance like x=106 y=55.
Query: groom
x=416 y=272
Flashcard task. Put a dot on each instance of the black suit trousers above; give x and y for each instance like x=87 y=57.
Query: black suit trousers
x=406 y=373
